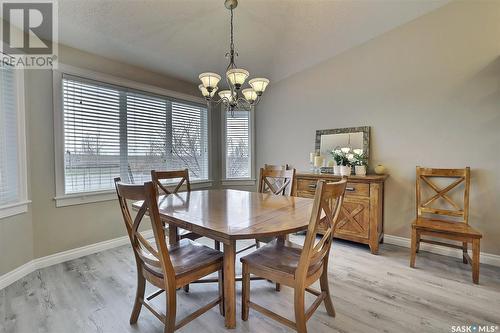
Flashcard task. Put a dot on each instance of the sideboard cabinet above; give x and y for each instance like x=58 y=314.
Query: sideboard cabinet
x=362 y=215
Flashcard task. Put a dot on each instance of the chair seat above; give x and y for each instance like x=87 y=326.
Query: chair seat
x=278 y=257
x=187 y=257
x=443 y=226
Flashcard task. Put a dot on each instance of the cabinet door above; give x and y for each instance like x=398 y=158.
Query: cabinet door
x=354 y=218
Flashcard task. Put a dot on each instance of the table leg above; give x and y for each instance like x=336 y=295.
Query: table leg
x=230 y=284
x=173 y=234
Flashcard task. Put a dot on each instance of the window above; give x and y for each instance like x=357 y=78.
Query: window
x=112 y=131
x=238 y=145
x=12 y=142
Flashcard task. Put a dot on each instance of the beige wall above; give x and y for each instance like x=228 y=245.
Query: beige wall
x=45 y=229
x=429 y=89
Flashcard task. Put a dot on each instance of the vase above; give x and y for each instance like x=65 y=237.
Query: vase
x=360 y=170
x=336 y=170
x=380 y=169
x=345 y=170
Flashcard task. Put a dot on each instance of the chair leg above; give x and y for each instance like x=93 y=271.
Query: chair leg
x=278 y=287
x=475 y=260
x=171 y=307
x=221 y=291
x=323 y=281
x=257 y=244
x=300 y=315
x=186 y=288
x=217 y=245
x=139 y=297
x=413 y=247
x=245 y=293
x=418 y=243
x=464 y=250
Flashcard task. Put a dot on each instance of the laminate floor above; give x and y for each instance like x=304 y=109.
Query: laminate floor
x=371 y=294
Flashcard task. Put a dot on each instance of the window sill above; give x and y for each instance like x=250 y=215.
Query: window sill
x=14 y=209
x=101 y=196
x=240 y=182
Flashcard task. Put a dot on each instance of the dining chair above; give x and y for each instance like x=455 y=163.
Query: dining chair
x=183 y=176
x=440 y=216
x=165 y=267
x=277 y=180
x=299 y=267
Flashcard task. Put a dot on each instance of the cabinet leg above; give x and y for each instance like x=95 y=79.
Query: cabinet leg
x=373 y=247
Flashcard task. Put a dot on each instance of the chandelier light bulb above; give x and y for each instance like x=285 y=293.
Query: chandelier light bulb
x=237 y=76
x=205 y=92
x=250 y=95
x=210 y=80
x=259 y=85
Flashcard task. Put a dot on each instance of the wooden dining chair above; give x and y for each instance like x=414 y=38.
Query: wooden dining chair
x=183 y=179
x=449 y=222
x=299 y=267
x=165 y=267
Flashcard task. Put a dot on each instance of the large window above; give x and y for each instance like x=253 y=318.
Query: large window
x=112 y=131
x=238 y=145
x=12 y=142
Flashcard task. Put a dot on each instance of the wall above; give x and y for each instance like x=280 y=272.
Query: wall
x=429 y=89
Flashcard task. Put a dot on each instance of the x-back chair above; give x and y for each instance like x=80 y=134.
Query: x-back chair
x=166 y=267
x=299 y=267
x=451 y=222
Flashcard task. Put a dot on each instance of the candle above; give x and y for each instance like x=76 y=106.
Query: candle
x=318 y=161
x=311 y=157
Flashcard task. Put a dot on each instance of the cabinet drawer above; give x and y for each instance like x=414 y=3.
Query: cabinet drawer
x=307 y=187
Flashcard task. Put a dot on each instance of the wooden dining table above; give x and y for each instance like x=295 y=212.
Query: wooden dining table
x=230 y=215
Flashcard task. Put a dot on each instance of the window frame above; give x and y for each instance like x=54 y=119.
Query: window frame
x=62 y=199
x=251 y=180
x=21 y=206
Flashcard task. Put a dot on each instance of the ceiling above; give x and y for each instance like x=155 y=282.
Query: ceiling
x=274 y=38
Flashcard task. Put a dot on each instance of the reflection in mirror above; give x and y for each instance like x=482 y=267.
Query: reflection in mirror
x=344 y=141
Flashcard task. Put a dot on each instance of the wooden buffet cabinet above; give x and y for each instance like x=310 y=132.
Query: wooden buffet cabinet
x=362 y=216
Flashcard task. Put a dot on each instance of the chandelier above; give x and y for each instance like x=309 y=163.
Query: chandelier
x=233 y=98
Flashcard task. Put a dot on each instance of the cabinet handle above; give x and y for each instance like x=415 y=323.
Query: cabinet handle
x=350 y=189
x=312 y=186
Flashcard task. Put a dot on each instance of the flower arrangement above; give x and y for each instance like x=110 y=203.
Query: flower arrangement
x=359 y=159
x=339 y=157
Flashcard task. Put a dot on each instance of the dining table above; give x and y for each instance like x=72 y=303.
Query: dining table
x=227 y=215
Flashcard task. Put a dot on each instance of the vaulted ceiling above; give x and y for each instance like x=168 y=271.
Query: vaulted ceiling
x=274 y=38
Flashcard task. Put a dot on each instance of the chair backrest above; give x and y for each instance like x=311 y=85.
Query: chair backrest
x=182 y=175
x=279 y=182
x=276 y=167
x=326 y=209
x=150 y=256
x=457 y=177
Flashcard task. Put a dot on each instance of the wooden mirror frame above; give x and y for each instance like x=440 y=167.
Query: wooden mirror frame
x=364 y=129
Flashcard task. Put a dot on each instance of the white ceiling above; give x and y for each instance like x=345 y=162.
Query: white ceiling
x=275 y=38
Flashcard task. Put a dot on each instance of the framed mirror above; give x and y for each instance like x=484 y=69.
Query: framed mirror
x=351 y=137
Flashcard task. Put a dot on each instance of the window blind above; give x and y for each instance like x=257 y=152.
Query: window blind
x=9 y=159
x=112 y=131
x=238 y=145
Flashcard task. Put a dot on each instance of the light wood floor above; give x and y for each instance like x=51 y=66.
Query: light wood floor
x=371 y=294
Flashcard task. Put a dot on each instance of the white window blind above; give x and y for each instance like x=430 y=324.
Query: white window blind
x=9 y=145
x=238 y=159
x=112 y=131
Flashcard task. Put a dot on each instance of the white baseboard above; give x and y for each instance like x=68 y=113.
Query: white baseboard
x=485 y=258
x=57 y=258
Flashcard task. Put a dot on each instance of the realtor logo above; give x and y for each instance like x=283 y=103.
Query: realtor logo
x=29 y=33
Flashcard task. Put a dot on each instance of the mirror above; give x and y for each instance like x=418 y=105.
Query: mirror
x=351 y=137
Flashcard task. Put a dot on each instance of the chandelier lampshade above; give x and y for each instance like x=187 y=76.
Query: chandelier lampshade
x=210 y=80
x=259 y=85
x=226 y=95
x=205 y=92
x=236 y=77
x=250 y=95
